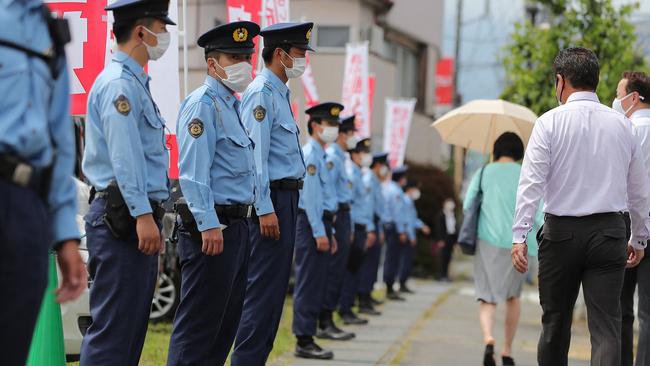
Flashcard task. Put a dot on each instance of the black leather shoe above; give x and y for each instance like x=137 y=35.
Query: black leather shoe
x=334 y=333
x=352 y=319
x=405 y=289
x=392 y=295
x=313 y=351
x=367 y=308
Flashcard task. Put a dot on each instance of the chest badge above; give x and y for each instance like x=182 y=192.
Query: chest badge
x=350 y=185
x=259 y=113
x=311 y=169
x=195 y=128
x=330 y=165
x=122 y=105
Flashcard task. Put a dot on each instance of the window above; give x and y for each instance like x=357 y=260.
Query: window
x=407 y=72
x=332 y=36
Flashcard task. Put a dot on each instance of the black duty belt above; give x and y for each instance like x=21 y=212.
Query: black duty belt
x=344 y=206
x=360 y=227
x=234 y=211
x=287 y=184
x=157 y=209
x=19 y=173
x=329 y=216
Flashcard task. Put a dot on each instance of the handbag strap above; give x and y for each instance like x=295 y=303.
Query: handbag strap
x=480 y=180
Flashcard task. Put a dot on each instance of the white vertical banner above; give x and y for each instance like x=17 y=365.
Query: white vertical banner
x=397 y=124
x=309 y=85
x=355 y=87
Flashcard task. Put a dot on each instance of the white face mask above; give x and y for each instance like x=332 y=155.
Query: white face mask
x=329 y=134
x=299 y=66
x=156 y=52
x=415 y=195
x=351 y=142
x=239 y=75
x=618 y=106
x=383 y=171
x=366 y=160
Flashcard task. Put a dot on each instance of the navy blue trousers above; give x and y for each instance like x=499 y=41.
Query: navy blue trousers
x=311 y=278
x=124 y=279
x=406 y=263
x=369 y=268
x=338 y=261
x=212 y=297
x=268 y=278
x=393 y=254
x=351 y=280
x=25 y=238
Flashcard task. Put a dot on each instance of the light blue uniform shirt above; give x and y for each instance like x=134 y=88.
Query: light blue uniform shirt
x=125 y=136
x=215 y=153
x=330 y=196
x=337 y=157
x=34 y=110
x=411 y=213
x=374 y=204
x=359 y=211
x=394 y=204
x=312 y=195
x=266 y=113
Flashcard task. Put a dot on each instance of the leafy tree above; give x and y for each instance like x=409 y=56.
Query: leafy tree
x=594 y=24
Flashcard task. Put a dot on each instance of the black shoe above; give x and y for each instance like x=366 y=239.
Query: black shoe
x=392 y=295
x=375 y=302
x=313 y=351
x=367 y=308
x=488 y=356
x=352 y=319
x=405 y=289
x=334 y=333
x=507 y=361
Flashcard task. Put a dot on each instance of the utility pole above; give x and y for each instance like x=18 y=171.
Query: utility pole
x=458 y=152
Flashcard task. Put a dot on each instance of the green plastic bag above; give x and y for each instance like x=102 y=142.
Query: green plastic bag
x=47 y=347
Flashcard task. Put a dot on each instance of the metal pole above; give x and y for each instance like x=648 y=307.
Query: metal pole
x=457 y=150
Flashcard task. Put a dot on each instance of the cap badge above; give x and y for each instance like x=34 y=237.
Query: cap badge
x=240 y=35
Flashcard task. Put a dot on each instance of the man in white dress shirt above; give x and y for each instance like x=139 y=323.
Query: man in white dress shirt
x=584 y=160
x=633 y=100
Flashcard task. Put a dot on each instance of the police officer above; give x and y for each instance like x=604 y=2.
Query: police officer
x=126 y=163
x=411 y=194
x=377 y=208
x=314 y=231
x=266 y=113
x=37 y=155
x=396 y=227
x=336 y=165
x=218 y=183
x=364 y=237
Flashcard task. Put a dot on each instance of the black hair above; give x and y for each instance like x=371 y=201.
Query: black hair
x=510 y=145
x=310 y=130
x=212 y=54
x=638 y=81
x=123 y=29
x=267 y=52
x=579 y=66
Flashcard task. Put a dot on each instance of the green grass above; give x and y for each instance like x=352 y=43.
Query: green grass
x=157 y=342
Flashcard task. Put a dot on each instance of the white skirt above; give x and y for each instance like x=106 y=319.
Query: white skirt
x=495 y=278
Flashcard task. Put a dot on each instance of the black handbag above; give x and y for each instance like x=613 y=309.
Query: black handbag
x=468 y=234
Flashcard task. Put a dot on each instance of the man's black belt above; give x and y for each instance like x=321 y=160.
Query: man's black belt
x=234 y=211
x=329 y=216
x=19 y=173
x=360 y=227
x=344 y=206
x=287 y=184
x=157 y=209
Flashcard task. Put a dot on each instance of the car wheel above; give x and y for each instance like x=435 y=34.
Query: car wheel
x=165 y=298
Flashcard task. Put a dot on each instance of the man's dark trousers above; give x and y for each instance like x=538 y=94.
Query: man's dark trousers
x=123 y=285
x=338 y=261
x=311 y=277
x=406 y=263
x=591 y=251
x=351 y=280
x=393 y=256
x=212 y=296
x=24 y=243
x=269 y=268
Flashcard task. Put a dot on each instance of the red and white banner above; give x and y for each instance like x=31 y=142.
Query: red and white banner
x=309 y=85
x=371 y=96
x=355 y=86
x=445 y=82
x=90 y=51
x=397 y=124
x=249 y=10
